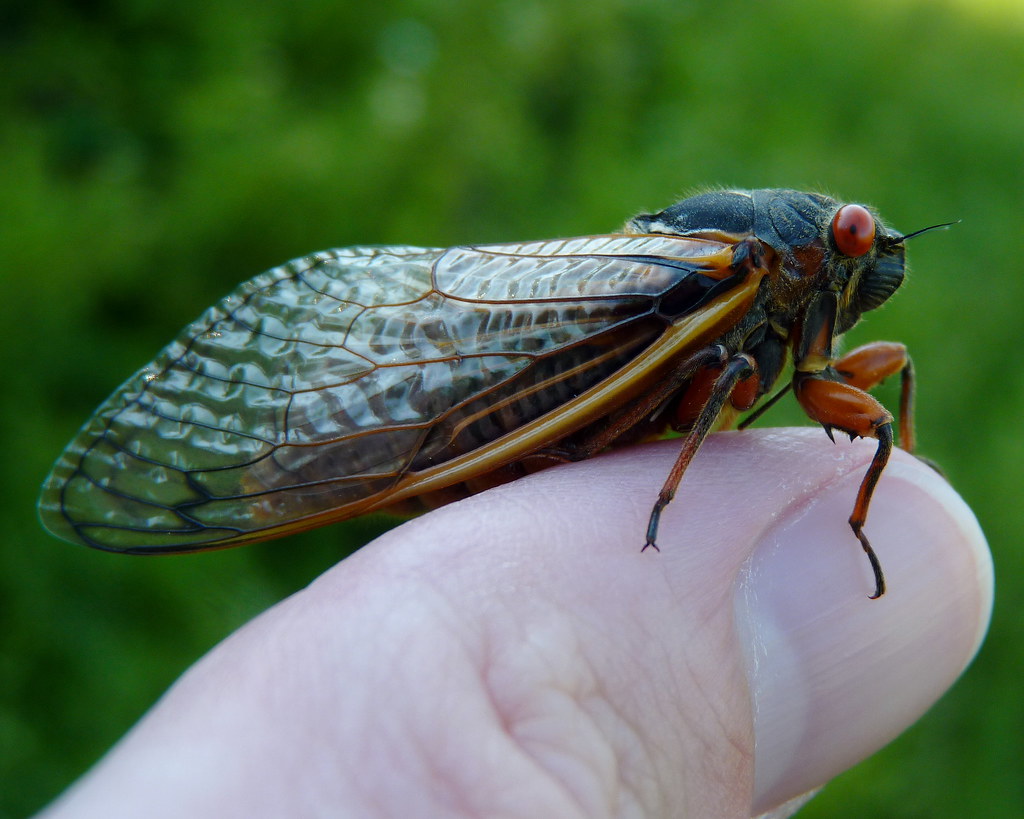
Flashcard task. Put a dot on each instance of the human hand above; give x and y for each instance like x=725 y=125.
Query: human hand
x=517 y=655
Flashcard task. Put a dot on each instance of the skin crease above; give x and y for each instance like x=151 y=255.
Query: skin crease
x=515 y=654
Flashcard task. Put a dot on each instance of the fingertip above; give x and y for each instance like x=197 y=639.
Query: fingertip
x=756 y=546
x=833 y=675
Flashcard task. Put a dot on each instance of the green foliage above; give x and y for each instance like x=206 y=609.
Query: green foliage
x=155 y=154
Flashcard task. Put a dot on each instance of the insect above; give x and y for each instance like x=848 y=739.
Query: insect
x=357 y=379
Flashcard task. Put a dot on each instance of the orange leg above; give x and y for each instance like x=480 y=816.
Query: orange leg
x=867 y=366
x=839 y=405
x=688 y=409
x=737 y=369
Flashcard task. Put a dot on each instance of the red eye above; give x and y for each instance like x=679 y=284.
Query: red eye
x=853 y=228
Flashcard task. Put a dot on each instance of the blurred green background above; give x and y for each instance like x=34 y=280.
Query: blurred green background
x=153 y=155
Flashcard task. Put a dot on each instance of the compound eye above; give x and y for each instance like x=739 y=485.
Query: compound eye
x=853 y=229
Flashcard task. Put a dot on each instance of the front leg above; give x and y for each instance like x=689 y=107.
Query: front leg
x=866 y=367
x=839 y=405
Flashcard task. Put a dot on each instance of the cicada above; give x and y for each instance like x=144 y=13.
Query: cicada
x=361 y=379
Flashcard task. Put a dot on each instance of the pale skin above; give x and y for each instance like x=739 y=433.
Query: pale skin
x=516 y=655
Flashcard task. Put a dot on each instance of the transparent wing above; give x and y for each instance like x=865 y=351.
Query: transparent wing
x=325 y=381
